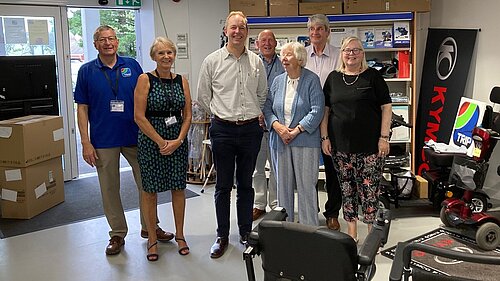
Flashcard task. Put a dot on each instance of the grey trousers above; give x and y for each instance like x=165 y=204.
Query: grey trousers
x=264 y=188
x=298 y=167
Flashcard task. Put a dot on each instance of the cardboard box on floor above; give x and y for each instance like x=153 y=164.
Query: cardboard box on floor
x=251 y=8
x=28 y=191
x=327 y=8
x=421 y=188
x=31 y=139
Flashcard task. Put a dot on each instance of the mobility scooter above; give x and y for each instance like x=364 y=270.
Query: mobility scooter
x=469 y=174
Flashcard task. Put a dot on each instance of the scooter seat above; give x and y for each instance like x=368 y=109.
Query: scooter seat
x=440 y=159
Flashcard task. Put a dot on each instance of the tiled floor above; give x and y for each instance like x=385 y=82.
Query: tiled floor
x=76 y=251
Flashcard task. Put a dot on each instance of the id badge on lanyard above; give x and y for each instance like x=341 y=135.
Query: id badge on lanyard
x=169 y=121
x=117 y=106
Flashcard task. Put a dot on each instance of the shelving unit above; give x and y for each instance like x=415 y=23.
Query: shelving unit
x=287 y=28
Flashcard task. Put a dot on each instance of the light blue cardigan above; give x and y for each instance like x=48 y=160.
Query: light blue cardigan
x=307 y=109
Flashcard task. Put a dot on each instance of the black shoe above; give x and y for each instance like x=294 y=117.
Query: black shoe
x=219 y=247
x=244 y=239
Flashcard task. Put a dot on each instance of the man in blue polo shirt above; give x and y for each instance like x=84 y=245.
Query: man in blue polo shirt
x=105 y=96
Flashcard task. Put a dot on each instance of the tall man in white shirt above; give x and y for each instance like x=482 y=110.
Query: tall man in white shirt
x=232 y=86
x=266 y=42
x=322 y=59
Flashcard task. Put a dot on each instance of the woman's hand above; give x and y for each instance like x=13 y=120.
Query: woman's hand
x=169 y=146
x=383 y=147
x=326 y=146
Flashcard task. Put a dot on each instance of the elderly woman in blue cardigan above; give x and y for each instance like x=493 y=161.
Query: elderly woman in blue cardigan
x=293 y=112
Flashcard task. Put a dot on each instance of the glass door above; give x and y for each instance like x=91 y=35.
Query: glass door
x=37 y=30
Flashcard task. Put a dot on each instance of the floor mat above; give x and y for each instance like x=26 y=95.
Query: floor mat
x=82 y=202
x=455 y=241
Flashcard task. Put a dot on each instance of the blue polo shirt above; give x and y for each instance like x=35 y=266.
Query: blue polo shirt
x=97 y=85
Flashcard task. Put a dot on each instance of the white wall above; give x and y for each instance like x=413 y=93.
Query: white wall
x=481 y=14
x=202 y=20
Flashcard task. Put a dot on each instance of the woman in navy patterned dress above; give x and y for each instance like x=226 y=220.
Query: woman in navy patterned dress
x=163 y=114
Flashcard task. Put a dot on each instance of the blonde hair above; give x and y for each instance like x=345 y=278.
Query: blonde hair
x=236 y=13
x=299 y=51
x=160 y=40
x=346 y=42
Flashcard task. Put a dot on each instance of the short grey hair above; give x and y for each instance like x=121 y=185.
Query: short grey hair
x=97 y=32
x=160 y=40
x=319 y=19
x=299 y=51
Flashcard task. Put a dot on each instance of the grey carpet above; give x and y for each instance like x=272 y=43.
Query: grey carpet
x=82 y=202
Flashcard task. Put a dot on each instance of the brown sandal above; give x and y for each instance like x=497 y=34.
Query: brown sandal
x=154 y=256
x=183 y=250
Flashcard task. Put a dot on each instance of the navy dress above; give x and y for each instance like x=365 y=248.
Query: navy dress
x=163 y=172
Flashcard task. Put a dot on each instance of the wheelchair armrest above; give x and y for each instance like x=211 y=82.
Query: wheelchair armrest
x=376 y=238
x=397 y=263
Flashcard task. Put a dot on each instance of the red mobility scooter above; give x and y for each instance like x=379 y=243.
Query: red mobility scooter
x=469 y=173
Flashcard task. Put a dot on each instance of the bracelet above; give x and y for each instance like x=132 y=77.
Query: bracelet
x=384 y=139
x=324 y=138
x=300 y=128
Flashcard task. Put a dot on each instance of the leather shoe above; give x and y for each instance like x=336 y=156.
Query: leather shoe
x=115 y=245
x=161 y=235
x=333 y=223
x=257 y=213
x=219 y=247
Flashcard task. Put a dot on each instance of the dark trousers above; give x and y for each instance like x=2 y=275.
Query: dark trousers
x=334 y=198
x=234 y=144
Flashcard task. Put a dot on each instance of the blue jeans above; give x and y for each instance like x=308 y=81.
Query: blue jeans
x=234 y=144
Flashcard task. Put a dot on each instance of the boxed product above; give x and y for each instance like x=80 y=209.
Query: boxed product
x=402 y=35
x=383 y=36
x=401 y=133
x=26 y=192
x=31 y=139
x=327 y=8
x=367 y=36
x=404 y=64
x=283 y=8
x=251 y=8
x=421 y=189
x=337 y=34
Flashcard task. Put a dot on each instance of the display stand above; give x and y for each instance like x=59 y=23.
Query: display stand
x=200 y=164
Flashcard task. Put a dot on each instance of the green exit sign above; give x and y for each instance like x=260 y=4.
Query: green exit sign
x=128 y=3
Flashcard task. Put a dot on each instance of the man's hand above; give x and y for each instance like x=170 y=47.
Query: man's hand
x=89 y=154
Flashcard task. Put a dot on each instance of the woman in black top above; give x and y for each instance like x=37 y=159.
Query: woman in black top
x=355 y=131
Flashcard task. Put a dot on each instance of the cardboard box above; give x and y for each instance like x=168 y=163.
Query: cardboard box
x=26 y=192
x=364 y=6
x=407 y=6
x=384 y=6
x=327 y=8
x=251 y=8
x=31 y=139
x=421 y=188
x=283 y=8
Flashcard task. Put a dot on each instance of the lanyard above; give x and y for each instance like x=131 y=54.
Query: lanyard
x=272 y=65
x=115 y=88
x=163 y=86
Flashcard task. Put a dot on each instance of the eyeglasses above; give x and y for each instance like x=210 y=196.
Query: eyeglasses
x=355 y=51
x=110 y=39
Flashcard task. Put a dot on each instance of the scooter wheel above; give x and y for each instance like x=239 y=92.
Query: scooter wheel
x=488 y=236
x=480 y=203
x=444 y=217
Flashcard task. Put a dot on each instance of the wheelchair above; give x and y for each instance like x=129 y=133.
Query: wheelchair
x=401 y=269
x=293 y=251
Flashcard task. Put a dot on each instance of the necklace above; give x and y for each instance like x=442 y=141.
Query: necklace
x=352 y=83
